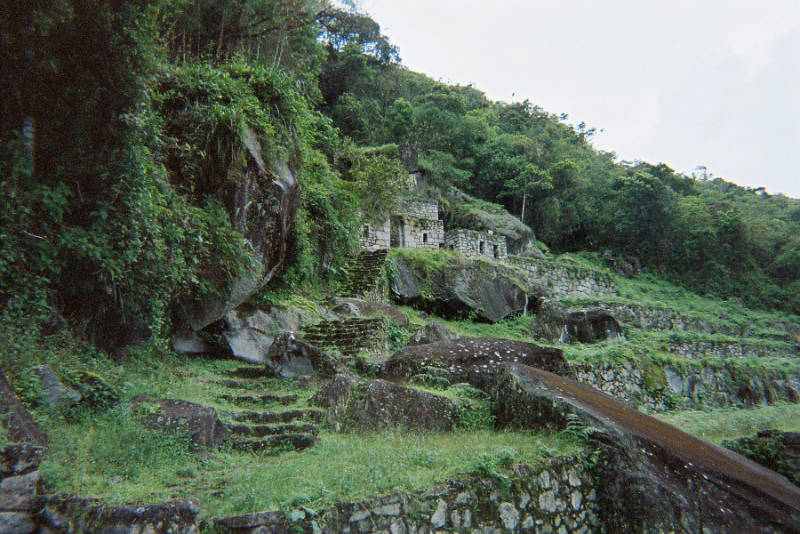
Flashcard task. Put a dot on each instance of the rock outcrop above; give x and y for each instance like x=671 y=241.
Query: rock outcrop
x=353 y=404
x=171 y=415
x=556 y=323
x=17 y=420
x=471 y=360
x=54 y=392
x=653 y=476
x=291 y=357
x=491 y=291
x=262 y=204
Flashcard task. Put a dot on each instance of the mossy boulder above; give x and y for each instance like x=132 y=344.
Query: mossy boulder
x=452 y=286
x=354 y=404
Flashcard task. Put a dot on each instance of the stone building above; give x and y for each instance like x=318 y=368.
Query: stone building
x=415 y=224
x=472 y=243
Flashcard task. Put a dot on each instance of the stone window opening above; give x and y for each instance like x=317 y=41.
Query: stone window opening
x=496 y=251
x=424 y=238
x=366 y=232
x=482 y=247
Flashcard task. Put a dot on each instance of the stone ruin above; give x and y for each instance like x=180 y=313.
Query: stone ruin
x=416 y=224
x=472 y=243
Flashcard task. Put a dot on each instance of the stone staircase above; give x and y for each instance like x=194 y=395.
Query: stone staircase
x=349 y=336
x=263 y=422
x=364 y=271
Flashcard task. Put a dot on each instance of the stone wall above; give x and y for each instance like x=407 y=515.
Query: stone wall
x=662 y=319
x=415 y=224
x=561 y=280
x=19 y=484
x=24 y=511
x=556 y=497
x=472 y=243
x=419 y=232
x=724 y=350
x=374 y=236
x=661 y=389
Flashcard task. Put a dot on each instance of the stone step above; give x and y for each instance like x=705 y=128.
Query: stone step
x=258 y=431
x=267 y=417
x=240 y=384
x=251 y=372
x=259 y=399
x=276 y=444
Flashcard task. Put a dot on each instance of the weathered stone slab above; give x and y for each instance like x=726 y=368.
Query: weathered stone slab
x=654 y=476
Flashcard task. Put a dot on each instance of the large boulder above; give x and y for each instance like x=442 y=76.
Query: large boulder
x=291 y=357
x=54 y=392
x=556 y=323
x=353 y=404
x=471 y=360
x=457 y=286
x=171 y=415
x=652 y=477
x=16 y=419
x=262 y=203
x=432 y=333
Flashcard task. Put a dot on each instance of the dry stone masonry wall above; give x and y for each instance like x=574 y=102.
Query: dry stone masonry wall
x=374 y=236
x=662 y=319
x=24 y=511
x=561 y=280
x=558 y=497
x=472 y=243
x=660 y=389
x=725 y=350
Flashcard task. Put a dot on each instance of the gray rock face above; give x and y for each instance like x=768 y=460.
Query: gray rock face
x=291 y=357
x=492 y=291
x=20 y=426
x=471 y=360
x=586 y=325
x=262 y=205
x=189 y=343
x=250 y=335
x=55 y=393
x=432 y=333
x=654 y=477
x=375 y=404
x=171 y=415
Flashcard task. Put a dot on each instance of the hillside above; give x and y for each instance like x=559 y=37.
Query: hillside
x=256 y=276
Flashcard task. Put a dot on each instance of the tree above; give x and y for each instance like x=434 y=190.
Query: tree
x=530 y=180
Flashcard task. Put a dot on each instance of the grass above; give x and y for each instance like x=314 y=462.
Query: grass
x=730 y=423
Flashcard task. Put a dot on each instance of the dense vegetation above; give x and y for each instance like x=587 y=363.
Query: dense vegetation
x=122 y=119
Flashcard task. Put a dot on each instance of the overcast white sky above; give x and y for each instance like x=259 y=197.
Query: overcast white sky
x=684 y=82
